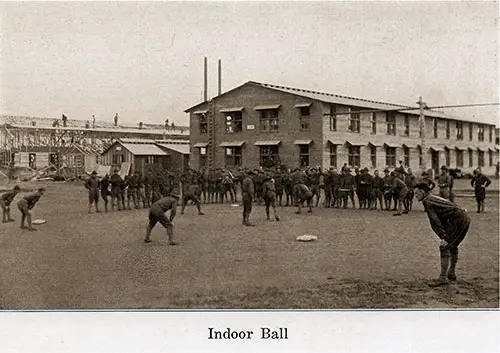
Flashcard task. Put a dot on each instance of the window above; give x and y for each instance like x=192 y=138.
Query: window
x=269 y=155
x=304 y=155
x=333 y=118
x=407 y=125
x=390 y=120
x=152 y=159
x=202 y=158
x=471 y=158
x=470 y=132
x=490 y=155
x=459 y=155
x=480 y=133
x=373 y=155
x=406 y=153
x=203 y=123
x=354 y=120
x=491 y=133
x=233 y=157
x=269 y=120
x=234 y=122
x=420 y=156
x=374 y=123
x=460 y=130
x=304 y=118
x=447 y=156
x=390 y=156
x=435 y=128
x=354 y=156
x=480 y=158
x=118 y=158
x=333 y=155
x=447 y=129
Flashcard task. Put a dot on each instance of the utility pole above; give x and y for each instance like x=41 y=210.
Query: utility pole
x=423 y=144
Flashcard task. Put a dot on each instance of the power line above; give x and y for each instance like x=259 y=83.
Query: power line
x=426 y=108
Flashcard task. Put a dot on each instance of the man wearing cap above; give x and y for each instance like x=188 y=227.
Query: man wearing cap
x=5 y=201
x=410 y=181
x=480 y=182
x=93 y=186
x=303 y=194
x=388 y=181
x=328 y=186
x=157 y=215
x=116 y=182
x=269 y=196
x=399 y=190
x=314 y=182
x=278 y=183
x=450 y=223
x=26 y=204
x=336 y=183
x=377 y=194
x=288 y=184
x=444 y=183
x=247 y=193
x=189 y=193
x=427 y=179
x=365 y=181
x=347 y=188
x=105 y=191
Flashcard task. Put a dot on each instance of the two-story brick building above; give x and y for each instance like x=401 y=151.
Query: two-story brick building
x=258 y=122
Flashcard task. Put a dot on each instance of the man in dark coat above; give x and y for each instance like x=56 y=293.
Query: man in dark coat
x=105 y=191
x=480 y=182
x=93 y=186
x=450 y=223
x=247 y=194
x=116 y=195
x=157 y=215
x=5 y=201
x=269 y=196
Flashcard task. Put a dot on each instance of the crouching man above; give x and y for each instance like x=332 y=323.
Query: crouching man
x=5 y=201
x=26 y=204
x=157 y=215
x=450 y=223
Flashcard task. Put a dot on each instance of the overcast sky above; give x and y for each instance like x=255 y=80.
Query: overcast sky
x=145 y=60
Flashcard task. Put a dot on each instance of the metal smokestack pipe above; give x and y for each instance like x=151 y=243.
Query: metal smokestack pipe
x=220 y=77
x=205 y=78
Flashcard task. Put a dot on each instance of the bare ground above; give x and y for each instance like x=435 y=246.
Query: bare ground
x=362 y=259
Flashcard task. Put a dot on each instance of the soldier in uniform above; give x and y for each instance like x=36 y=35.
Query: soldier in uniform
x=93 y=186
x=450 y=223
x=377 y=193
x=105 y=182
x=337 y=180
x=123 y=191
x=116 y=194
x=257 y=181
x=147 y=182
x=269 y=195
x=279 y=185
x=219 y=188
x=132 y=191
x=26 y=204
x=288 y=184
x=328 y=186
x=212 y=181
x=314 y=183
x=157 y=215
x=247 y=194
x=347 y=188
x=303 y=194
x=5 y=201
x=399 y=190
x=428 y=180
x=358 y=192
x=387 y=189
x=480 y=182
x=365 y=181
x=140 y=193
x=227 y=187
x=444 y=183
x=411 y=182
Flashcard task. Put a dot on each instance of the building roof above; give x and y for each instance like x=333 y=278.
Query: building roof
x=138 y=149
x=346 y=100
x=181 y=148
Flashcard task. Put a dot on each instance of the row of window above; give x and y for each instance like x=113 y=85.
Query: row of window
x=269 y=121
x=270 y=155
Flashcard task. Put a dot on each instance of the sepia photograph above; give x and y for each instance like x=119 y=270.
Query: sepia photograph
x=249 y=155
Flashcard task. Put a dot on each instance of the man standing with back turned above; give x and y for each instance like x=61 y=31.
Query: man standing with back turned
x=450 y=223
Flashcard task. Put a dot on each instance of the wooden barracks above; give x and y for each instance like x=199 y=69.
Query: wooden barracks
x=256 y=122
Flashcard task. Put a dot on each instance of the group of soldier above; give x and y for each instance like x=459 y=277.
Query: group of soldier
x=25 y=205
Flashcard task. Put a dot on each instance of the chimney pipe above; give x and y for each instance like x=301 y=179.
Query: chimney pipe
x=220 y=77
x=205 y=93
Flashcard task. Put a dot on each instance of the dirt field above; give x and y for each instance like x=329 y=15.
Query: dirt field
x=363 y=259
